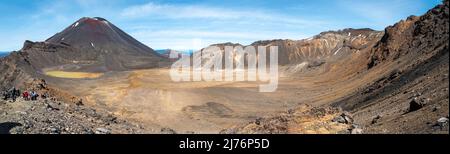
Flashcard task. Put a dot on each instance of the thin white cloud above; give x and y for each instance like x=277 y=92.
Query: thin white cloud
x=222 y=25
x=175 y=11
x=178 y=44
x=208 y=12
x=203 y=34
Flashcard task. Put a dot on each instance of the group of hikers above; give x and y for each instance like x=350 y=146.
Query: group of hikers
x=32 y=95
x=14 y=93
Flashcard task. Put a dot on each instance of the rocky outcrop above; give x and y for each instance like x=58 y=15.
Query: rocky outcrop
x=315 y=51
x=47 y=116
x=422 y=35
x=412 y=58
x=16 y=70
x=304 y=119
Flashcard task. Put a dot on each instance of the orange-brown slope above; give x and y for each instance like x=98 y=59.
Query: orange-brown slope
x=413 y=55
x=383 y=84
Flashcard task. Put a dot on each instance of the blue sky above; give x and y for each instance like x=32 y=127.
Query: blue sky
x=184 y=24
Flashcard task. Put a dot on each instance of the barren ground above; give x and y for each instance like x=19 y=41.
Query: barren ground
x=152 y=98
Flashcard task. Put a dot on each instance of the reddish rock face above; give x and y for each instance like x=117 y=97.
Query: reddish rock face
x=415 y=35
x=98 y=33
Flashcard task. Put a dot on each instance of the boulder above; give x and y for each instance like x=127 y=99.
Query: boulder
x=416 y=104
x=345 y=118
x=442 y=122
x=357 y=131
x=376 y=119
x=102 y=131
x=168 y=131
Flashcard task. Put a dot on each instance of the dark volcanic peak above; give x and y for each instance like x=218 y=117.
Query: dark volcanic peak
x=100 y=18
x=96 y=42
x=98 y=34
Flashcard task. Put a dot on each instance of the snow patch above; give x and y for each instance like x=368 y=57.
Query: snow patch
x=326 y=43
x=296 y=68
x=62 y=39
x=92 y=44
x=173 y=54
x=349 y=34
x=337 y=50
x=76 y=24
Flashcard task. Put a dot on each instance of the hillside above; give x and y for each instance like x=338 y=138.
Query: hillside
x=406 y=76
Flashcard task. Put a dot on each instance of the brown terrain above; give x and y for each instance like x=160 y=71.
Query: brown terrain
x=349 y=81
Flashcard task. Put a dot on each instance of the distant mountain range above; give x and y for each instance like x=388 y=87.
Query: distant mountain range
x=162 y=51
x=175 y=53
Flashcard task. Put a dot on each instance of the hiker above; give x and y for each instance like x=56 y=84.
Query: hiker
x=12 y=93
x=26 y=95
x=34 y=96
x=5 y=95
x=17 y=92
